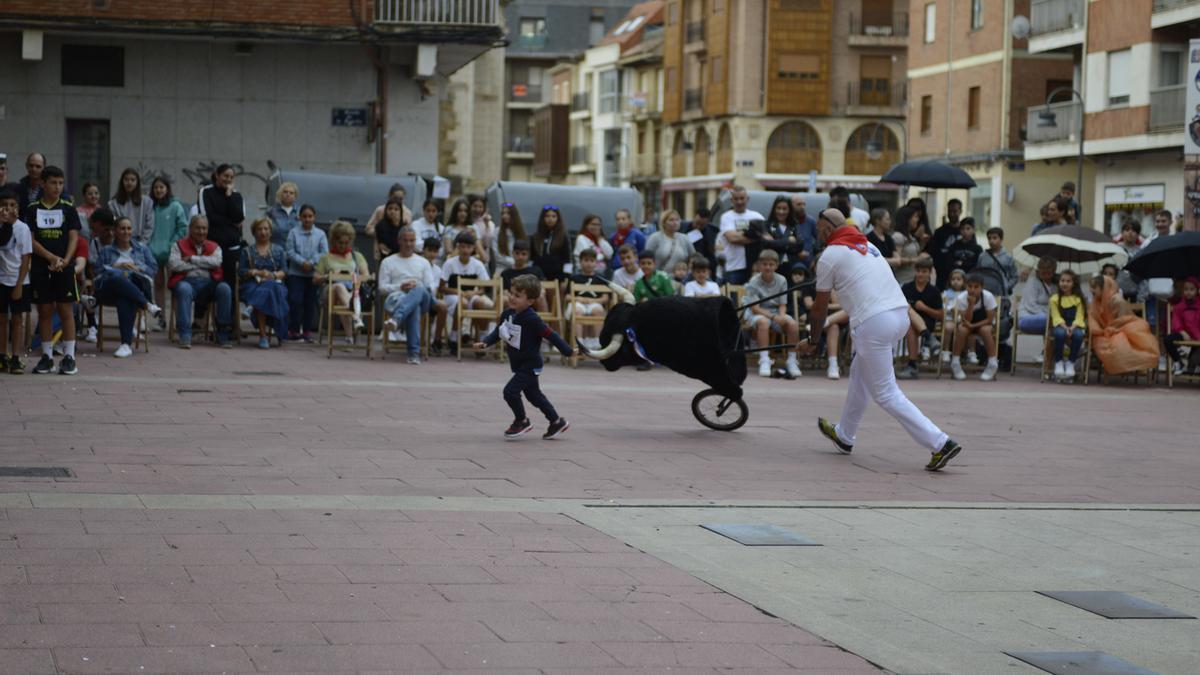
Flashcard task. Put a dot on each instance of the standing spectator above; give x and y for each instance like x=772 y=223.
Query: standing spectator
x=170 y=225
x=735 y=228
x=591 y=238
x=125 y=271
x=55 y=226
x=839 y=198
x=997 y=258
x=626 y=233
x=387 y=230
x=284 y=213
x=879 y=233
x=910 y=237
x=306 y=245
x=343 y=258
x=1066 y=196
x=429 y=226
x=806 y=230
x=485 y=229
x=669 y=245
x=222 y=206
x=91 y=200
x=16 y=253
x=510 y=231
x=264 y=269
x=703 y=235
x=778 y=233
x=551 y=250
x=457 y=222
x=396 y=192
x=942 y=241
x=407 y=283
x=1185 y=325
x=1052 y=215
x=129 y=202
x=1162 y=226
x=198 y=278
x=965 y=252
x=29 y=188
x=1035 y=298
x=5 y=185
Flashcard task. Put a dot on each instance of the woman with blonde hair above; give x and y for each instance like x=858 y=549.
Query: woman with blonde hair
x=668 y=245
x=343 y=258
x=1120 y=339
x=285 y=212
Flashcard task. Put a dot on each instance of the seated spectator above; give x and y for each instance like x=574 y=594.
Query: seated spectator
x=591 y=237
x=519 y=261
x=1068 y=320
x=1122 y=340
x=466 y=266
x=833 y=335
x=343 y=258
x=700 y=286
x=124 y=279
x=626 y=235
x=681 y=275
x=879 y=233
x=407 y=283
x=975 y=310
x=964 y=253
x=771 y=312
x=102 y=225
x=1110 y=270
x=954 y=288
x=626 y=276
x=197 y=278
x=263 y=269
x=807 y=295
x=1035 y=297
x=654 y=283
x=587 y=274
x=1185 y=326
x=306 y=245
x=431 y=250
x=997 y=258
x=925 y=309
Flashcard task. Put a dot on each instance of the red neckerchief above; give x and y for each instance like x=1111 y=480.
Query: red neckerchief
x=595 y=239
x=340 y=251
x=619 y=237
x=849 y=236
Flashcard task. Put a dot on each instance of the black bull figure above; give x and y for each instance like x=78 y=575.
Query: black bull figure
x=696 y=337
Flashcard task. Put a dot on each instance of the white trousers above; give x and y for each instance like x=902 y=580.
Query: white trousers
x=873 y=378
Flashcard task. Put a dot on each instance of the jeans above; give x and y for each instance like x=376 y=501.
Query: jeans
x=1060 y=340
x=128 y=297
x=1033 y=324
x=198 y=291
x=406 y=308
x=526 y=382
x=302 y=303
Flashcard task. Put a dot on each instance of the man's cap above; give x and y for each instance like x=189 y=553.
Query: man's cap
x=834 y=217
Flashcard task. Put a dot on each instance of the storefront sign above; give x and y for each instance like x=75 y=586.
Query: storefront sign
x=1134 y=195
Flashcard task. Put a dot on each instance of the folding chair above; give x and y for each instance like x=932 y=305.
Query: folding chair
x=583 y=293
x=1085 y=353
x=948 y=331
x=141 y=340
x=207 y=329
x=553 y=316
x=492 y=288
x=332 y=311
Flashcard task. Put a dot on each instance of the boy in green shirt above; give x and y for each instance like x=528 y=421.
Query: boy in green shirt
x=653 y=283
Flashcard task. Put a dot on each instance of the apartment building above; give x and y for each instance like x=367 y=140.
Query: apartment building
x=1128 y=71
x=782 y=94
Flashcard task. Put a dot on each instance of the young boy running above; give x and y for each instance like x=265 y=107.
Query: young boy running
x=16 y=249
x=55 y=225
x=523 y=331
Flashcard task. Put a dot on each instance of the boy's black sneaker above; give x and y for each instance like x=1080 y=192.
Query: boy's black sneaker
x=828 y=430
x=557 y=428
x=45 y=365
x=15 y=367
x=942 y=457
x=67 y=366
x=518 y=428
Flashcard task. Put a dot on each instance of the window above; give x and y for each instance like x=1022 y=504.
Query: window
x=926 y=114
x=532 y=27
x=718 y=6
x=800 y=66
x=1170 y=66
x=672 y=13
x=93 y=66
x=976 y=14
x=973 y=108
x=1118 y=77
x=717 y=68
x=596 y=30
x=930 y=22
x=672 y=76
x=609 y=86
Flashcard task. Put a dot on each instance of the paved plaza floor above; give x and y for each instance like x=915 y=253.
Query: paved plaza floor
x=248 y=511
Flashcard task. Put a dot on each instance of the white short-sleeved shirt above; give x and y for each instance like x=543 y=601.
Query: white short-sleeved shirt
x=626 y=280
x=960 y=301
x=472 y=269
x=11 y=253
x=692 y=289
x=731 y=221
x=864 y=283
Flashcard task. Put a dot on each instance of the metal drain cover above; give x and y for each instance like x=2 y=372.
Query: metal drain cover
x=36 y=472
x=258 y=373
x=1080 y=663
x=760 y=535
x=1115 y=605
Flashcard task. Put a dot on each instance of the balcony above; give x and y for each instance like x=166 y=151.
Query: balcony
x=438 y=12
x=876 y=97
x=1055 y=24
x=694 y=32
x=877 y=31
x=1168 y=107
x=581 y=102
x=520 y=92
x=521 y=145
x=640 y=105
x=1066 y=123
x=528 y=43
x=693 y=99
x=1172 y=12
x=581 y=154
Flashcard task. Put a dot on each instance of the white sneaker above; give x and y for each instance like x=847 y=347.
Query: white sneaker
x=391 y=326
x=1069 y=370
x=957 y=371
x=764 y=367
x=989 y=373
x=154 y=310
x=91 y=334
x=358 y=324
x=395 y=336
x=972 y=357
x=1177 y=368
x=123 y=352
x=925 y=353
x=349 y=340
x=1060 y=370
x=946 y=357
x=1162 y=364
x=793 y=368
x=832 y=372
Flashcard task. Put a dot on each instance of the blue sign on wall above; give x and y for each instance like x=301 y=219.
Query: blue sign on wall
x=349 y=117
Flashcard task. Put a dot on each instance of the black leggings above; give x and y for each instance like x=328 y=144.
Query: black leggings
x=526 y=382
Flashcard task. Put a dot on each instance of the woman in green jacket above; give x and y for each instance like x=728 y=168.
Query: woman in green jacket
x=170 y=225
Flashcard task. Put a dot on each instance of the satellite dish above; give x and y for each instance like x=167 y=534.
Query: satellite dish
x=1020 y=27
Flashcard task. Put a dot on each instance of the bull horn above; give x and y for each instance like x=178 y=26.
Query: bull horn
x=622 y=292
x=607 y=352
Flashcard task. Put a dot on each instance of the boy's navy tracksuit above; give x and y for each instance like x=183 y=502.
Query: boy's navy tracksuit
x=522 y=335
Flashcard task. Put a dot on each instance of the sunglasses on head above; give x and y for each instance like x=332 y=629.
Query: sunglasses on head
x=549 y=207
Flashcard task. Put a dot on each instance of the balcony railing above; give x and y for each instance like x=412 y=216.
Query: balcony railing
x=581 y=154
x=1168 y=107
x=446 y=12
x=897 y=26
x=695 y=31
x=535 y=42
x=520 y=144
x=525 y=93
x=581 y=101
x=693 y=99
x=1066 y=123
x=880 y=93
x=1051 y=16
x=1165 y=5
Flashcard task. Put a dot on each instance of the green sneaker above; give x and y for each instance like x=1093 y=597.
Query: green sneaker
x=942 y=457
x=830 y=431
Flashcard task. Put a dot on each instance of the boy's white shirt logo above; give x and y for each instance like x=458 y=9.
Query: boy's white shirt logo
x=511 y=333
x=49 y=220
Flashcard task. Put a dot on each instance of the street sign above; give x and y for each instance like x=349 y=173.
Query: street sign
x=349 y=117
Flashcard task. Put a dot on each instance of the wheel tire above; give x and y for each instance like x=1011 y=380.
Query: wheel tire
x=725 y=422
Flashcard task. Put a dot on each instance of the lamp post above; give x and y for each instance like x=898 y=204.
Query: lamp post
x=1047 y=119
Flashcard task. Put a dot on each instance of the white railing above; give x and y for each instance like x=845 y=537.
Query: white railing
x=1049 y=16
x=1164 y=5
x=445 y=12
x=1168 y=107
x=1066 y=123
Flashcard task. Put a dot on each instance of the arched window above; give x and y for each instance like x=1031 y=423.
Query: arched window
x=702 y=162
x=859 y=163
x=678 y=157
x=794 y=147
x=724 y=150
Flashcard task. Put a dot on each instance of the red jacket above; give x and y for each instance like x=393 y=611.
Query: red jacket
x=187 y=248
x=1185 y=317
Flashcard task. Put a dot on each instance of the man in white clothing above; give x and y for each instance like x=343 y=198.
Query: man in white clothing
x=868 y=291
x=407 y=281
x=735 y=224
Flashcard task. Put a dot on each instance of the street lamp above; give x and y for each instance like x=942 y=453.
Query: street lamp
x=1048 y=119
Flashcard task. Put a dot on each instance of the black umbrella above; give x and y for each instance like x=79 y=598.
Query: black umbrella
x=928 y=173
x=1077 y=248
x=1175 y=256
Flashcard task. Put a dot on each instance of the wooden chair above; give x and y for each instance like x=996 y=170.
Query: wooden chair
x=141 y=339
x=553 y=316
x=582 y=293
x=208 y=327
x=1194 y=344
x=332 y=311
x=492 y=288
x=948 y=330
x=1048 y=351
x=426 y=332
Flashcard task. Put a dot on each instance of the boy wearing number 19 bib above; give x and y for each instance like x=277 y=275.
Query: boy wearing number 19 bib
x=55 y=225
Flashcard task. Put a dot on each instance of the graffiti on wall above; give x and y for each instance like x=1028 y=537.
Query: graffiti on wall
x=201 y=174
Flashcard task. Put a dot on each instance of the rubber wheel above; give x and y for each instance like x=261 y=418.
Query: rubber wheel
x=717 y=411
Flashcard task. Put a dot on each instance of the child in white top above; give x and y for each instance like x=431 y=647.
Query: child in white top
x=700 y=286
x=626 y=276
x=467 y=266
